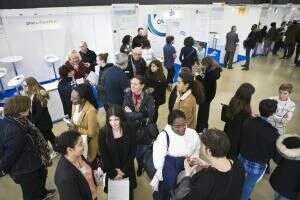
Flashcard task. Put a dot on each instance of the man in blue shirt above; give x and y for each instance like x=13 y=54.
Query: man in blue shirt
x=169 y=58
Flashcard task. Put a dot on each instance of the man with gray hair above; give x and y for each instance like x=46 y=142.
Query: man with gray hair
x=115 y=81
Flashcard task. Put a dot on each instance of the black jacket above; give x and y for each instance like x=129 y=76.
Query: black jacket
x=272 y=34
x=89 y=57
x=136 y=119
x=210 y=83
x=233 y=129
x=258 y=143
x=188 y=56
x=285 y=179
x=138 y=41
x=100 y=86
x=251 y=40
x=159 y=86
x=70 y=182
x=211 y=184
x=20 y=153
x=115 y=155
x=115 y=82
x=140 y=67
x=40 y=115
x=64 y=88
x=291 y=33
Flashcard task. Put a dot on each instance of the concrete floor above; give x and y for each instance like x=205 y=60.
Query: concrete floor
x=266 y=75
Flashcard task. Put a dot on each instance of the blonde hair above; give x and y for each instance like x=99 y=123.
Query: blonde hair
x=34 y=88
x=74 y=53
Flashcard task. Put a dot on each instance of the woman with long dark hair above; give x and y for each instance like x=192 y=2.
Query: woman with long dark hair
x=139 y=112
x=84 y=118
x=126 y=44
x=117 y=148
x=238 y=111
x=211 y=75
x=188 y=94
x=156 y=79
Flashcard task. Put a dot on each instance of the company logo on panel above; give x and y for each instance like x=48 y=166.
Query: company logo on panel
x=156 y=25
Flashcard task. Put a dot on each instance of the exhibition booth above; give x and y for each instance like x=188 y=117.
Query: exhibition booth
x=35 y=42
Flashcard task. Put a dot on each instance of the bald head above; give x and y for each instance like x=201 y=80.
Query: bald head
x=137 y=53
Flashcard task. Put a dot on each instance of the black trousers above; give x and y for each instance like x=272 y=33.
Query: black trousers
x=228 y=58
x=297 y=62
x=248 y=57
x=278 y=44
x=49 y=136
x=289 y=50
x=170 y=74
x=203 y=116
x=33 y=184
x=156 y=112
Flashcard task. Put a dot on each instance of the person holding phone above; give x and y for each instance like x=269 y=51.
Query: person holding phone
x=217 y=179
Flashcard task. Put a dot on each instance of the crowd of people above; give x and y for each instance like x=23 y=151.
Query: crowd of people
x=186 y=160
x=262 y=41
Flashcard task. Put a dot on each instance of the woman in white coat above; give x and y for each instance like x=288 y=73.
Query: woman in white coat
x=172 y=146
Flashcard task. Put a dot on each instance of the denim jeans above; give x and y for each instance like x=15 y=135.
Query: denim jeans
x=251 y=178
x=278 y=196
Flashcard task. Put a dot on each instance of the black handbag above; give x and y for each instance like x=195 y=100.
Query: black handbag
x=224 y=112
x=148 y=158
x=146 y=133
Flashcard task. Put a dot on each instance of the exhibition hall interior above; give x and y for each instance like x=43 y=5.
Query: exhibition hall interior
x=150 y=99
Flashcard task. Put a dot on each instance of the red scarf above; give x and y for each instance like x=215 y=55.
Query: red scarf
x=136 y=99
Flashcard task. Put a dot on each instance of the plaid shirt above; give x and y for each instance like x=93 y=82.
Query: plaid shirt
x=252 y=167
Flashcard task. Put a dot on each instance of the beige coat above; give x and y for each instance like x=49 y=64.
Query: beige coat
x=187 y=104
x=88 y=125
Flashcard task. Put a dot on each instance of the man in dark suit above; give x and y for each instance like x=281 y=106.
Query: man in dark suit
x=258 y=145
x=88 y=57
x=249 y=44
x=232 y=39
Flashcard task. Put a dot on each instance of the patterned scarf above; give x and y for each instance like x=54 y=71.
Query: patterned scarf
x=37 y=138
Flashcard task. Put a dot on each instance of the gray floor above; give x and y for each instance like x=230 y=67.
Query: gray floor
x=266 y=75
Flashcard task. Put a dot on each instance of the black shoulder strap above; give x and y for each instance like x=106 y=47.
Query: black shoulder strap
x=168 y=139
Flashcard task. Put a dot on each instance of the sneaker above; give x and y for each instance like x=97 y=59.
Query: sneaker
x=230 y=68
x=245 y=68
x=50 y=194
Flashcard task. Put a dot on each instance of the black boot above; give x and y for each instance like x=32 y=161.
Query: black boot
x=140 y=169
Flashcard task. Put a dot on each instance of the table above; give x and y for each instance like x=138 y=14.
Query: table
x=52 y=59
x=3 y=72
x=16 y=82
x=13 y=60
